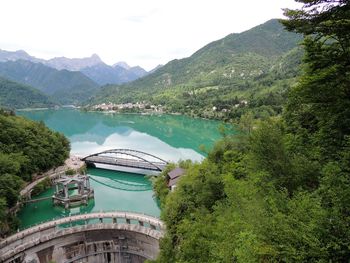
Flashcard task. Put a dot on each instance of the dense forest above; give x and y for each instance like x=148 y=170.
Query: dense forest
x=65 y=87
x=18 y=96
x=26 y=147
x=279 y=191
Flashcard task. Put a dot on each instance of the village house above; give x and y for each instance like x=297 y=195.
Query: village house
x=173 y=176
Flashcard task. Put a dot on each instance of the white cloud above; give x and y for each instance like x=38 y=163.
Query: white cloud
x=145 y=33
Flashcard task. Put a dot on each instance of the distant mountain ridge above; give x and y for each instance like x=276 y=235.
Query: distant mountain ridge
x=73 y=64
x=104 y=74
x=93 y=67
x=17 y=55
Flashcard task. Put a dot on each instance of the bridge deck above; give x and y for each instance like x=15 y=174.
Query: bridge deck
x=125 y=162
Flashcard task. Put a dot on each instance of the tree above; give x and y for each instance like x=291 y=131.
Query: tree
x=278 y=192
x=26 y=147
x=319 y=107
x=318 y=112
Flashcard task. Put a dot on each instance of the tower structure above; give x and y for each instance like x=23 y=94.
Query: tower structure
x=72 y=190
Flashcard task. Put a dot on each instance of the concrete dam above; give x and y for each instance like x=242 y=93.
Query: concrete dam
x=115 y=237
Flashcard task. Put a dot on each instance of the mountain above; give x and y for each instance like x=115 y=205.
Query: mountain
x=73 y=64
x=104 y=74
x=219 y=75
x=64 y=86
x=93 y=67
x=19 y=96
x=122 y=64
x=137 y=71
x=16 y=55
x=154 y=69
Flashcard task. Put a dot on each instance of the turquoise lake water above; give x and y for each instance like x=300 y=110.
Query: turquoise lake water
x=169 y=137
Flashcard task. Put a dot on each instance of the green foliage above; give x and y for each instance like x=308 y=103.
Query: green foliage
x=83 y=169
x=3 y=207
x=26 y=147
x=10 y=186
x=237 y=205
x=63 y=86
x=70 y=172
x=159 y=183
x=41 y=186
x=278 y=191
x=318 y=109
x=15 y=95
x=318 y=112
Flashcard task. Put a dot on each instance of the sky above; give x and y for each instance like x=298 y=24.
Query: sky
x=140 y=32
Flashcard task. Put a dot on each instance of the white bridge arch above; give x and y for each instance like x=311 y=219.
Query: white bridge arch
x=127 y=158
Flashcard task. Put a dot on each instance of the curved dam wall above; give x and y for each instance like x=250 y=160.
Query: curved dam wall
x=96 y=237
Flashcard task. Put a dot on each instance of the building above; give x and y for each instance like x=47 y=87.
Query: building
x=72 y=191
x=173 y=176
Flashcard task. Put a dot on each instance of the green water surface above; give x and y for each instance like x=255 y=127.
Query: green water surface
x=169 y=137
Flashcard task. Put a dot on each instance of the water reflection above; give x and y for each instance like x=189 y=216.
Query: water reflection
x=91 y=131
x=121 y=185
x=168 y=137
x=34 y=213
x=135 y=141
x=113 y=191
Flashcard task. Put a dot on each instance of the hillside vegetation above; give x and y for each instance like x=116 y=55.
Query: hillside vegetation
x=14 y=95
x=248 y=66
x=279 y=190
x=26 y=147
x=65 y=87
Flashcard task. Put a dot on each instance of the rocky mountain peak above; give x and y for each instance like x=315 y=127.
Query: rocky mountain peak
x=74 y=64
x=122 y=64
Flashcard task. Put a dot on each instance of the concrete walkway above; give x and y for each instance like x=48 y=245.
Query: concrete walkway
x=73 y=162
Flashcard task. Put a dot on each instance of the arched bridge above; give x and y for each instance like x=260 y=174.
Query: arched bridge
x=127 y=158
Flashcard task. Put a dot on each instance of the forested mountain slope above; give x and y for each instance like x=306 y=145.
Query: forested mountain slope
x=64 y=86
x=215 y=74
x=14 y=95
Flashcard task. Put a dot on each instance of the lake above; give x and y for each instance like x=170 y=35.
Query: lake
x=169 y=137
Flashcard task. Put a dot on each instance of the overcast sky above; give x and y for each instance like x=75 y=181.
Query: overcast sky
x=140 y=32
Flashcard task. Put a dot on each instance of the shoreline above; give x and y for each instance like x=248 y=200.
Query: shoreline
x=156 y=113
x=72 y=163
x=125 y=113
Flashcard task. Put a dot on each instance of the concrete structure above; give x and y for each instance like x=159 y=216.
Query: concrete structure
x=78 y=182
x=127 y=158
x=96 y=237
x=72 y=163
